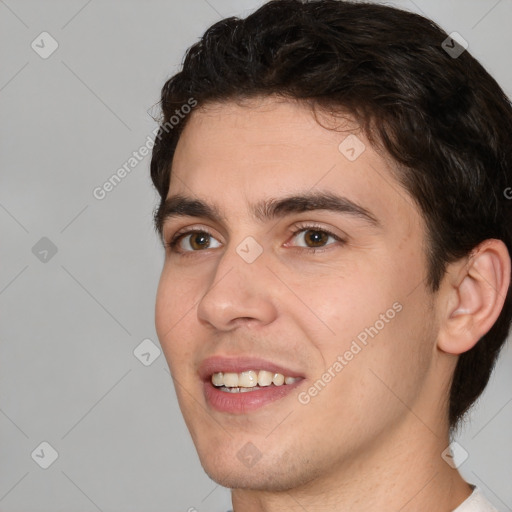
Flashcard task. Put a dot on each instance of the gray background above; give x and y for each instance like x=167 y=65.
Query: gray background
x=70 y=324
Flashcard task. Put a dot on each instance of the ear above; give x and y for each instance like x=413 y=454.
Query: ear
x=474 y=294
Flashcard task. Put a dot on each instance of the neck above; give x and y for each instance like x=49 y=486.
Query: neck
x=402 y=471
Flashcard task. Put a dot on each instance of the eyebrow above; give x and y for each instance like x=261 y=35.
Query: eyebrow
x=263 y=211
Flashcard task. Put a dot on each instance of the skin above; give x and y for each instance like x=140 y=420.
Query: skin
x=373 y=436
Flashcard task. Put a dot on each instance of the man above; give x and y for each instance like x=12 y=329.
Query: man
x=336 y=285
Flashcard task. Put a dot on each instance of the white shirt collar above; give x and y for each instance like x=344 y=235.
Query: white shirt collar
x=476 y=502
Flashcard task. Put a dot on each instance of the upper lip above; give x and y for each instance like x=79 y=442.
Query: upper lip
x=239 y=364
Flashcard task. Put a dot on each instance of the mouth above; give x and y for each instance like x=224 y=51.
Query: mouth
x=250 y=380
x=241 y=385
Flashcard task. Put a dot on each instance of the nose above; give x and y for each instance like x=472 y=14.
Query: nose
x=239 y=293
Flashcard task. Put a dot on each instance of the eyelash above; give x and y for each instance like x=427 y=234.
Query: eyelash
x=299 y=229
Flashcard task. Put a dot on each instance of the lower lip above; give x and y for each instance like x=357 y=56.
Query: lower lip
x=240 y=403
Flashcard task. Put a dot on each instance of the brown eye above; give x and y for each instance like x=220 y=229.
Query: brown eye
x=312 y=237
x=199 y=241
x=315 y=238
x=193 y=241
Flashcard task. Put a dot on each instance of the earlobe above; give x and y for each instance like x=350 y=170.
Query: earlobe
x=476 y=297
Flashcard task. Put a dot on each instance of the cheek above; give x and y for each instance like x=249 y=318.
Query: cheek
x=177 y=293
x=173 y=310
x=165 y=305
x=366 y=314
x=369 y=370
x=345 y=299
x=394 y=348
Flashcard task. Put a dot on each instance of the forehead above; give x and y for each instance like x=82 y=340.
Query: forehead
x=236 y=155
x=266 y=134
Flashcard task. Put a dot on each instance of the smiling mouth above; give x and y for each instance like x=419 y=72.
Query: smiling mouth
x=250 y=380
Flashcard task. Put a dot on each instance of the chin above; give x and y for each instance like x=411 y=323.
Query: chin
x=275 y=474
x=264 y=479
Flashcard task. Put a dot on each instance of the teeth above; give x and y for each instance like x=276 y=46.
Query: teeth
x=248 y=379
x=244 y=381
x=236 y=390
x=218 y=379
x=278 y=379
x=265 y=378
x=231 y=380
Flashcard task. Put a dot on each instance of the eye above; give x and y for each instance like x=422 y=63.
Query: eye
x=193 y=241
x=312 y=237
x=306 y=237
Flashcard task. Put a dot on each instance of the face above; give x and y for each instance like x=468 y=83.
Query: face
x=293 y=251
